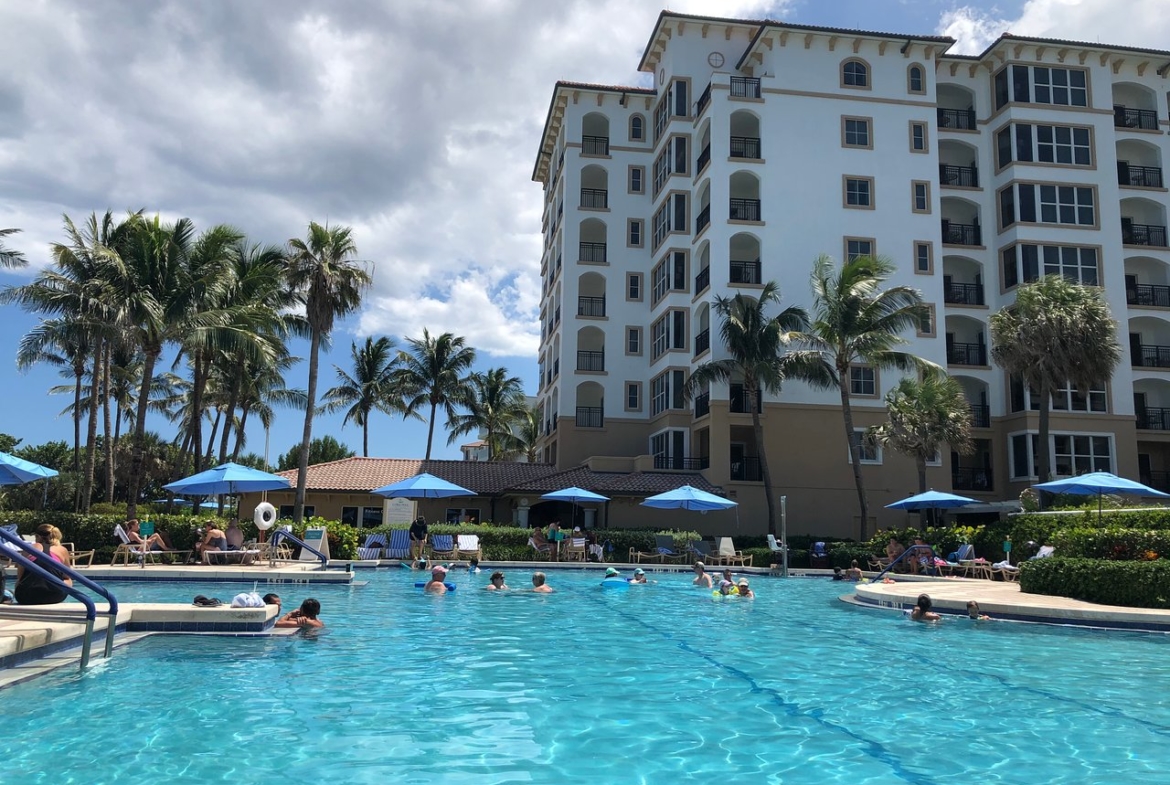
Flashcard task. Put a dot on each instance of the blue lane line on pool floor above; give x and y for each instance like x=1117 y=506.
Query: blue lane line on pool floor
x=871 y=748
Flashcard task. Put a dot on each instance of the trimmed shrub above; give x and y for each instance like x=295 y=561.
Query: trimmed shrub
x=1132 y=584
x=1112 y=544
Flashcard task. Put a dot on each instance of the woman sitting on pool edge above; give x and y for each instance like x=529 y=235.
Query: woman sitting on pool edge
x=305 y=616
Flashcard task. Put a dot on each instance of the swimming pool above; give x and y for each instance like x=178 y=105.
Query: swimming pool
x=653 y=684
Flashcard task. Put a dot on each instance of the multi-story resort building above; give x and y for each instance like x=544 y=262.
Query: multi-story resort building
x=762 y=145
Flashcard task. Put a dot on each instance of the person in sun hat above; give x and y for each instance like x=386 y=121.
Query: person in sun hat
x=436 y=584
x=639 y=576
x=745 y=589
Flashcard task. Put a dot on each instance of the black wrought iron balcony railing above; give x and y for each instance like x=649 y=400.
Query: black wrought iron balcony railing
x=1158 y=480
x=591 y=306
x=740 y=402
x=744 y=272
x=965 y=478
x=593 y=252
x=590 y=416
x=1139 y=176
x=958 y=176
x=702 y=342
x=1143 y=234
x=957 y=119
x=961 y=234
x=745 y=147
x=679 y=463
x=1139 y=119
x=704 y=99
x=980 y=415
x=1148 y=294
x=590 y=361
x=1153 y=418
x=702 y=405
x=966 y=354
x=595 y=145
x=702 y=280
x=746 y=470
x=745 y=87
x=743 y=210
x=597 y=198
x=703 y=219
x=963 y=293
x=1148 y=355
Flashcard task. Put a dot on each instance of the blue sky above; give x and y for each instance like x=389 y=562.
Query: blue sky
x=416 y=123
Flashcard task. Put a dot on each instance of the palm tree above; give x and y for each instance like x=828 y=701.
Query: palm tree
x=527 y=434
x=369 y=389
x=495 y=406
x=1057 y=333
x=432 y=373
x=923 y=416
x=756 y=344
x=8 y=257
x=857 y=322
x=321 y=270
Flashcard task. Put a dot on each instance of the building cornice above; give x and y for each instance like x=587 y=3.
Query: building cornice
x=563 y=92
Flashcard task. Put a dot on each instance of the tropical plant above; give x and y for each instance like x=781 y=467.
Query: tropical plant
x=370 y=388
x=322 y=271
x=858 y=322
x=323 y=449
x=527 y=435
x=757 y=347
x=432 y=373
x=8 y=257
x=923 y=415
x=496 y=407
x=1057 y=333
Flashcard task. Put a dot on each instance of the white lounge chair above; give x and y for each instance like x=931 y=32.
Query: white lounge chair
x=126 y=549
x=728 y=555
x=468 y=545
x=575 y=549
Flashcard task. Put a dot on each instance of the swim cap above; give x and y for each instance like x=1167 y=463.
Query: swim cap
x=610 y=572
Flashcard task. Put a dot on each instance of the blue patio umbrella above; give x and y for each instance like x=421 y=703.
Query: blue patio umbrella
x=574 y=495
x=227 y=478
x=931 y=500
x=688 y=498
x=422 y=486
x=1099 y=483
x=18 y=471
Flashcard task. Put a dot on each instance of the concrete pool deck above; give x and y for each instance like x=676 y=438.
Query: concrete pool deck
x=260 y=572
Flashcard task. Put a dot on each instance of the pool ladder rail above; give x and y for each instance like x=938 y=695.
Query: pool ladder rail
x=917 y=551
x=12 y=545
x=284 y=534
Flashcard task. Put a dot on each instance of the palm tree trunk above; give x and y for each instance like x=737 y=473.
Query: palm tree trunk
x=240 y=433
x=151 y=357
x=214 y=431
x=366 y=436
x=921 y=463
x=854 y=453
x=431 y=430
x=91 y=436
x=307 y=436
x=78 y=371
x=107 y=444
x=198 y=382
x=753 y=395
x=233 y=399
x=1043 y=464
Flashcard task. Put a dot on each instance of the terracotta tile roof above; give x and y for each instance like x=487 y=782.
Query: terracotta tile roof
x=365 y=474
x=616 y=483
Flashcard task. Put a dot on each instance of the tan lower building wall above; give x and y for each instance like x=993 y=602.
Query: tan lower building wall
x=329 y=504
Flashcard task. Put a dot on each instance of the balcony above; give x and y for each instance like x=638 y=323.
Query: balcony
x=704 y=99
x=703 y=220
x=595 y=198
x=702 y=342
x=1139 y=176
x=980 y=415
x=702 y=405
x=961 y=234
x=1159 y=481
x=1138 y=119
x=557 y=316
x=965 y=478
x=745 y=147
x=745 y=272
x=957 y=119
x=590 y=417
x=745 y=87
x=1153 y=418
x=746 y=470
x=591 y=306
x=1148 y=294
x=958 y=176
x=590 y=361
x=743 y=210
x=594 y=145
x=740 y=401
x=702 y=280
x=963 y=293
x=593 y=252
x=966 y=354
x=556 y=369
x=1143 y=234
x=1147 y=355
x=679 y=463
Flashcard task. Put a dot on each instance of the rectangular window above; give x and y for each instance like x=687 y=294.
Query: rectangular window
x=1078 y=265
x=1024 y=143
x=1066 y=204
x=1011 y=275
x=920 y=192
x=633 y=340
x=678 y=329
x=1007 y=207
x=870 y=451
x=1073 y=454
x=637 y=179
x=858 y=246
x=634 y=227
x=661 y=223
x=1062 y=144
x=1001 y=88
x=682 y=107
x=926 y=323
x=863 y=381
x=1060 y=86
x=633 y=396
x=658 y=282
x=462 y=515
x=1023 y=455
x=1020 y=87
x=634 y=287
x=349 y=515
x=918 y=143
x=678 y=388
x=923 y=258
x=1003 y=148
x=855 y=132
x=859 y=192
x=662 y=170
x=679 y=222
x=679 y=282
x=371 y=517
x=659 y=337
x=660 y=446
x=681 y=160
x=659 y=393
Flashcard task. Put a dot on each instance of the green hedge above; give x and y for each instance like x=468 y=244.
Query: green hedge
x=1133 y=584
x=1112 y=544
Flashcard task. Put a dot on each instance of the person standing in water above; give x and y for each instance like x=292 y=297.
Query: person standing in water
x=702 y=578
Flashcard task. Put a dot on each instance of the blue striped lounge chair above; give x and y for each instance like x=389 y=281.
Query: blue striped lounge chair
x=399 y=547
x=372 y=547
x=442 y=546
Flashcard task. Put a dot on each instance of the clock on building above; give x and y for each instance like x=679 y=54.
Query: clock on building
x=715 y=59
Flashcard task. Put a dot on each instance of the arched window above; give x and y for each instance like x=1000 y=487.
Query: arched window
x=637 y=128
x=916 y=79
x=855 y=73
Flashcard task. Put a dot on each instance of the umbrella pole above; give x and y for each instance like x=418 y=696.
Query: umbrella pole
x=1098 y=507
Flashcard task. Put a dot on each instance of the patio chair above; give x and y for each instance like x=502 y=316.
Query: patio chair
x=399 y=547
x=636 y=555
x=442 y=546
x=372 y=547
x=126 y=549
x=777 y=549
x=953 y=564
x=700 y=550
x=728 y=555
x=1044 y=552
x=664 y=544
x=575 y=549
x=468 y=545
x=79 y=555
x=1005 y=572
x=544 y=549
x=818 y=557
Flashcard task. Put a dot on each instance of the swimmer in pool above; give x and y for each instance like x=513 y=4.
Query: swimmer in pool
x=702 y=578
x=538 y=584
x=922 y=609
x=436 y=585
x=974 y=613
x=497 y=582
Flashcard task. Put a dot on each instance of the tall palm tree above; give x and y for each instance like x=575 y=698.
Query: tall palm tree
x=321 y=269
x=432 y=373
x=9 y=258
x=1056 y=333
x=858 y=322
x=756 y=344
x=527 y=434
x=923 y=415
x=495 y=406
x=370 y=388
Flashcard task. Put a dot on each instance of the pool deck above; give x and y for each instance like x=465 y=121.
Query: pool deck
x=260 y=572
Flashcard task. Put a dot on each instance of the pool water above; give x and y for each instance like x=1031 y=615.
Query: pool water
x=654 y=684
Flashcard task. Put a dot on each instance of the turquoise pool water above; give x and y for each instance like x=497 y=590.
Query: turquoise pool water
x=656 y=684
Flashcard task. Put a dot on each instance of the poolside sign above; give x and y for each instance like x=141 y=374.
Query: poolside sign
x=315 y=538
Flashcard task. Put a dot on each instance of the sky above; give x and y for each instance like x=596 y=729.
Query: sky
x=416 y=123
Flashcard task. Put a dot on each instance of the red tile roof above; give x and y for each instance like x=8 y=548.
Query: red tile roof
x=616 y=483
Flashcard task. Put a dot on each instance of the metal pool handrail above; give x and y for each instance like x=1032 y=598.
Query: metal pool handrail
x=280 y=534
x=912 y=549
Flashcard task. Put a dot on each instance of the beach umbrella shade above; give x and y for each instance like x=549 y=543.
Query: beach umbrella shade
x=228 y=478
x=422 y=486
x=1099 y=483
x=574 y=495
x=688 y=498
x=931 y=500
x=18 y=471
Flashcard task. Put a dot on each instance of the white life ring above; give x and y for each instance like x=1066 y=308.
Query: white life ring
x=264 y=516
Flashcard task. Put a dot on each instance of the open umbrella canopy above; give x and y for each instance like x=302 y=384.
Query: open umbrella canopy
x=931 y=500
x=18 y=471
x=422 y=486
x=185 y=503
x=1099 y=483
x=228 y=478
x=574 y=495
x=688 y=498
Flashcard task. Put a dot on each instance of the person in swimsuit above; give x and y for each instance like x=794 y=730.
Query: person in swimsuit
x=702 y=578
x=154 y=542
x=33 y=589
x=436 y=584
x=538 y=584
x=304 y=616
x=497 y=583
x=214 y=539
x=922 y=609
